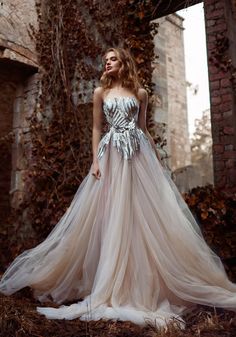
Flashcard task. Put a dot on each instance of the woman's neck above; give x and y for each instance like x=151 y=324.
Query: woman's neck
x=117 y=84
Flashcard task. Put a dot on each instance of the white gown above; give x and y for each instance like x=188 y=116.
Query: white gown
x=128 y=244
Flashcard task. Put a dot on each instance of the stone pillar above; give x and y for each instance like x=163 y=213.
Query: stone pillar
x=221 y=42
x=24 y=105
x=170 y=80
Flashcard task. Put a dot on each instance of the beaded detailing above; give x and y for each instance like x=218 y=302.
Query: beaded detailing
x=121 y=115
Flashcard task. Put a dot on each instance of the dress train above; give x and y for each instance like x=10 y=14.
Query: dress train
x=128 y=245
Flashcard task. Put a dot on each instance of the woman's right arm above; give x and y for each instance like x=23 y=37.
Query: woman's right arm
x=97 y=128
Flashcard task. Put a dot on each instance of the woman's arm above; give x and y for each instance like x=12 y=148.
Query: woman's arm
x=143 y=97
x=97 y=128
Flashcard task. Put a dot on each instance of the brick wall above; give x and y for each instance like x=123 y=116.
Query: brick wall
x=221 y=32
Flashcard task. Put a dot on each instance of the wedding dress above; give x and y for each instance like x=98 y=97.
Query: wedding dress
x=128 y=247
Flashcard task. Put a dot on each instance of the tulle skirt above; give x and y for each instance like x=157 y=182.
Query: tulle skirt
x=127 y=248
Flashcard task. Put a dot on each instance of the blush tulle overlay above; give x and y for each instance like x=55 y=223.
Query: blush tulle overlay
x=127 y=248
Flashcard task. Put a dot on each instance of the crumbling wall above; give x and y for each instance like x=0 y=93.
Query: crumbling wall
x=18 y=65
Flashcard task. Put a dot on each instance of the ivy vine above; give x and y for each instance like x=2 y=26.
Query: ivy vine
x=71 y=39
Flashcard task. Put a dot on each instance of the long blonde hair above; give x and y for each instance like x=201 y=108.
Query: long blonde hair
x=127 y=72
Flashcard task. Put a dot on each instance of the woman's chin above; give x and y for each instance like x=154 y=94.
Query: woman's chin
x=112 y=73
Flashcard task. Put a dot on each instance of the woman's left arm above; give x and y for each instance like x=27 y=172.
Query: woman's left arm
x=143 y=97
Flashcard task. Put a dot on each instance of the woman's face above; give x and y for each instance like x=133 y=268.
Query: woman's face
x=112 y=64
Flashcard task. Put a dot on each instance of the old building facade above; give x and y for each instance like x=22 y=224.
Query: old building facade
x=20 y=86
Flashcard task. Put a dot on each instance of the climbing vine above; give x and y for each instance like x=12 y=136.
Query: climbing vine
x=70 y=42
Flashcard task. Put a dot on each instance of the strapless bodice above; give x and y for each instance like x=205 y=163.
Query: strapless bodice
x=122 y=116
x=121 y=112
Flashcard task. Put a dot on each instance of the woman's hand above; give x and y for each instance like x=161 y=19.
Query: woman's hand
x=96 y=170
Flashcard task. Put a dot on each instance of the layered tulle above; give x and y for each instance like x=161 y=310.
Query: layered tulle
x=128 y=246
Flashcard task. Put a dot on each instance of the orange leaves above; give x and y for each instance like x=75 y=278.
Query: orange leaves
x=217 y=215
x=141 y=15
x=191 y=200
x=204 y=215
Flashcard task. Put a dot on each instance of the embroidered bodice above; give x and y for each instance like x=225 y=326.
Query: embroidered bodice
x=122 y=115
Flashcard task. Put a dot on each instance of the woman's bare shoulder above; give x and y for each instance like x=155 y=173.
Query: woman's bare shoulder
x=98 y=93
x=142 y=94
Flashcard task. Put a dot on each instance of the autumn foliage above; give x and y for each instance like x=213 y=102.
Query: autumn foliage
x=71 y=40
x=216 y=215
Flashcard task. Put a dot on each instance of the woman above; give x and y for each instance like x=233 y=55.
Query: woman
x=128 y=244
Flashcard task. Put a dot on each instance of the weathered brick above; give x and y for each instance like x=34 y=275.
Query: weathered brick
x=215 y=100
x=229 y=147
x=219 y=4
x=222 y=181
x=217 y=28
x=228 y=130
x=210 y=23
x=215 y=13
x=215 y=85
x=216 y=117
x=213 y=69
x=227 y=90
x=232 y=179
x=229 y=154
x=227 y=98
x=220 y=20
x=225 y=106
x=230 y=163
x=219 y=165
x=218 y=176
x=215 y=93
x=227 y=114
x=218 y=148
x=215 y=109
x=209 y=7
x=217 y=76
x=226 y=139
x=225 y=82
x=210 y=45
x=211 y=38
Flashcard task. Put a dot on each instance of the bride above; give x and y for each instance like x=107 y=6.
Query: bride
x=128 y=247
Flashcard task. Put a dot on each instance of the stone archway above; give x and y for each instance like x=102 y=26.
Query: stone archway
x=16 y=93
x=18 y=64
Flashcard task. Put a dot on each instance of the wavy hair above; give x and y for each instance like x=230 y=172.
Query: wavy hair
x=127 y=72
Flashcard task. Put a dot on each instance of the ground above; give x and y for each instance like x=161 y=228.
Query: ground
x=19 y=318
